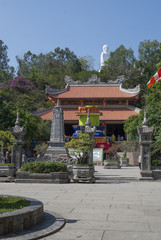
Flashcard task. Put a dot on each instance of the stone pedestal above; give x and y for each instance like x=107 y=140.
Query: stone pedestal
x=124 y=162
x=83 y=174
x=56 y=144
x=145 y=134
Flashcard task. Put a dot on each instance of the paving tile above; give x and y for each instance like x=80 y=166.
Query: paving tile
x=126 y=235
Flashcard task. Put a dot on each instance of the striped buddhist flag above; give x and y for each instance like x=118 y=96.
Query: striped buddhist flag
x=155 y=78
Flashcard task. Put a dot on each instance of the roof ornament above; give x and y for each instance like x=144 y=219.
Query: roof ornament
x=135 y=90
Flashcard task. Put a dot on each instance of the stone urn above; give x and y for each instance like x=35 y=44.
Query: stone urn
x=83 y=173
x=124 y=161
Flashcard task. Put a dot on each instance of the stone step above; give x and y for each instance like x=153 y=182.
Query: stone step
x=6 y=179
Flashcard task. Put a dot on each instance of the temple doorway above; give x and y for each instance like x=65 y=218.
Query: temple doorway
x=116 y=129
x=69 y=129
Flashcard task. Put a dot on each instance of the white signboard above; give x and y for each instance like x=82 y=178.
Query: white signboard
x=97 y=155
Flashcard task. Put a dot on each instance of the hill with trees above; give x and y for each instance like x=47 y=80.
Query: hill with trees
x=25 y=89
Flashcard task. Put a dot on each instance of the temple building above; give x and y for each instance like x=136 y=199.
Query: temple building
x=114 y=102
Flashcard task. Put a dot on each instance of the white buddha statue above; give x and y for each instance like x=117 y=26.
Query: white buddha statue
x=104 y=55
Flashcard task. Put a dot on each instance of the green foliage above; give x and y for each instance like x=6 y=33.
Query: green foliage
x=153 y=99
x=119 y=63
x=87 y=63
x=81 y=146
x=156 y=147
x=6 y=72
x=9 y=203
x=6 y=164
x=149 y=56
x=44 y=167
x=7 y=138
x=131 y=125
x=37 y=129
x=111 y=160
x=156 y=162
x=40 y=69
x=7 y=116
x=40 y=149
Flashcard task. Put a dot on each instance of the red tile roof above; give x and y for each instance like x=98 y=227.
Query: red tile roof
x=108 y=114
x=90 y=92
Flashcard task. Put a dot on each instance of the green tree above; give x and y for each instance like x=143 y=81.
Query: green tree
x=149 y=56
x=87 y=63
x=153 y=107
x=6 y=72
x=7 y=115
x=153 y=99
x=120 y=62
x=40 y=69
x=131 y=125
x=6 y=139
x=159 y=64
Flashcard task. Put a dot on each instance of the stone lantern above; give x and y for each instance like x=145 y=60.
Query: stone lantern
x=145 y=135
x=18 y=132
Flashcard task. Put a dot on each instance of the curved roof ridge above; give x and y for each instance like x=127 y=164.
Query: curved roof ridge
x=55 y=91
x=136 y=109
x=130 y=90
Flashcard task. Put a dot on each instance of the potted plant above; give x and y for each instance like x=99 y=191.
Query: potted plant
x=43 y=172
x=82 y=149
x=112 y=159
x=124 y=160
x=111 y=163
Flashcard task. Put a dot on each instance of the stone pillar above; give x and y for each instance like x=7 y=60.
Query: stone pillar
x=145 y=134
x=18 y=132
x=91 y=131
x=57 y=141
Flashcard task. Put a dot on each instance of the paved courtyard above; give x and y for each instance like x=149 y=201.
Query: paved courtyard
x=101 y=211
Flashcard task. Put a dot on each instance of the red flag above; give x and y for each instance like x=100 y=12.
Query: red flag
x=155 y=78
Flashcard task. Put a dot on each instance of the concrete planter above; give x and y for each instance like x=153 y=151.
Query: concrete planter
x=7 y=172
x=22 y=219
x=124 y=162
x=83 y=174
x=112 y=164
x=156 y=171
x=132 y=156
x=53 y=177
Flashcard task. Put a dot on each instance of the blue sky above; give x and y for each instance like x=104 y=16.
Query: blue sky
x=83 y=26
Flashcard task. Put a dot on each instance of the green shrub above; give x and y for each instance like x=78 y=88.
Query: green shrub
x=84 y=165
x=111 y=160
x=41 y=149
x=44 y=167
x=6 y=164
x=156 y=162
x=9 y=203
